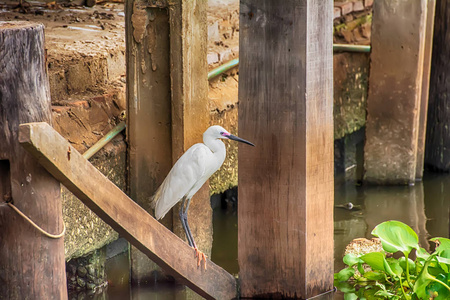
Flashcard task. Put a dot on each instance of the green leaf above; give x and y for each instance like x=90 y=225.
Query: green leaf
x=412 y=265
x=443 y=244
x=377 y=261
x=437 y=290
x=350 y=296
x=350 y=259
x=370 y=293
x=345 y=274
x=395 y=266
x=361 y=268
x=445 y=253
x=422 y=254
x=383 y=292
x=423 y=280
x=344 y=287
x=374 y=276
x=396 y=236
x=444 y=259
x=443 y=263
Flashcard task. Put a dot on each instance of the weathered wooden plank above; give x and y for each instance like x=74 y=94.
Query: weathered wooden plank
x=286 y=181
x=123 y=214
x=437 y=148
x=393 y=103
x=32 y=265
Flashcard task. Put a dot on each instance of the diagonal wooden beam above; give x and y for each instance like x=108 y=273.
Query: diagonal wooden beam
x=126 y=217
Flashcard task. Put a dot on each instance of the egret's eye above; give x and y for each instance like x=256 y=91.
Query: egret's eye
x=221 y=133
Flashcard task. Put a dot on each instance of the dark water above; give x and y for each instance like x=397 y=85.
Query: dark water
x=424 y=207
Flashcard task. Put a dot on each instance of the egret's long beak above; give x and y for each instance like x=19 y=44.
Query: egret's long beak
x=238 y=139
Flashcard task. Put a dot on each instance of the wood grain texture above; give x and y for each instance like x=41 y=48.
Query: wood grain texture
x=393 y=103
x=149 y=135
x=428 y=47
x=190 y=106
x=286 y=181
x=32 y=266
x=437 y=149
x=123 y=214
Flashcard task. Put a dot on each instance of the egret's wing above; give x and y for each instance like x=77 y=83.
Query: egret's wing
x=181 y=179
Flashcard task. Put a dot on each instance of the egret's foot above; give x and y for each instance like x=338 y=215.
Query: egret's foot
x=200 y=256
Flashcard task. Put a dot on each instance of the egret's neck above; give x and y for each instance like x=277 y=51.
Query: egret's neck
x=216 y=145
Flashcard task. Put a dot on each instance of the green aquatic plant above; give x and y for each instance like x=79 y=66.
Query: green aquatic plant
x=375 y=276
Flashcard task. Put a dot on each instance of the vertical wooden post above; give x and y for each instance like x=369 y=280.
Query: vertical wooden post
x=285 y=211
x=149 y=112
x=190 y=108
x=167 y=106
x=393 y=101
x=428 y=43
x=32 y=265
x=437 y=149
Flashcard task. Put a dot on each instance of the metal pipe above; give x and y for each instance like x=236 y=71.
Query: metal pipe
x=336 y=47
x=104 y=140
x=215 y=72
x=223 y=68
x=351 y=48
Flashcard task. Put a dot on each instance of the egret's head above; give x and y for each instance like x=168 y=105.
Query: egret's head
x=218 y=132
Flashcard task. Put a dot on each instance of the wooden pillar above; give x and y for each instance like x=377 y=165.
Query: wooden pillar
x=149 y=113
x=167 y=106
x=393 y=104
x=285 y=211
x=190 y=107
x=32 y=265
x=428 y=43
x=437 y=149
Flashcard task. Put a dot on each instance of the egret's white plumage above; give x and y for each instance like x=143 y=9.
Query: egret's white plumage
x=188 y=175
x=191 y=171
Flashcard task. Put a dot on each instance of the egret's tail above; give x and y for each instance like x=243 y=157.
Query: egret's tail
x=154 y=198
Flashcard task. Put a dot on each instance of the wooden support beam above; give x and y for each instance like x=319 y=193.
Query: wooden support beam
x=32 y=265
x=437 y=149
x=393 y=103
x=190 y=106
x=167 y=90
x=285 y=210
x=148 y=114
x=123 y=214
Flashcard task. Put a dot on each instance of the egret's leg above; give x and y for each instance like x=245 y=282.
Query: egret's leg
x=198 y=254
x=188 y=230
x=183 y=219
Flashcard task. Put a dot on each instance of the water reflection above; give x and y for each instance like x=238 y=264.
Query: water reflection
x=424 y=207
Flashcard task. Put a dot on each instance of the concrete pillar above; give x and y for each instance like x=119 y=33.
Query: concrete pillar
x=395 y=83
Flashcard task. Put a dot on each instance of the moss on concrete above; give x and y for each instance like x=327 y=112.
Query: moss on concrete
x=85 y=232
x=350 y=92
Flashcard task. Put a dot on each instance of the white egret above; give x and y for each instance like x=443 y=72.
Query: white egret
x=189 y=174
